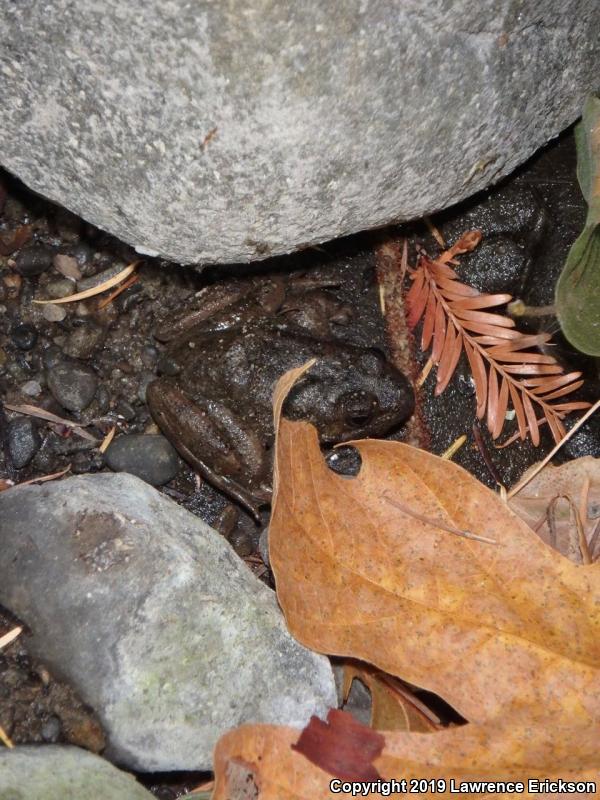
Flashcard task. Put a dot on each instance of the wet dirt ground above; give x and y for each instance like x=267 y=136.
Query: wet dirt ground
x=528 y=224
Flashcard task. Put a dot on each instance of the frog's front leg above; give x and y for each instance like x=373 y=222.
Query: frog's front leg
x=211 y=438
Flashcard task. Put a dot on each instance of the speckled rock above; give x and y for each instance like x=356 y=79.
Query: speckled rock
x=176 y=641
x=63 y=773
x=208 y=132
x=23 y=440
x=73 y=385
x=151 y=457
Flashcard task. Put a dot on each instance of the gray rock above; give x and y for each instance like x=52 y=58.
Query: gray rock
x=73 y=385
x=23 y=440
x=53 y=312
x=57 y=772
x=150 y=457
x=34 y=259
x=206 y=132
x=152 y=618
x=31 y=388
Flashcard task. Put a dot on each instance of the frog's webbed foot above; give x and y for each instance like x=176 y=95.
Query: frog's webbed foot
x=212 y=439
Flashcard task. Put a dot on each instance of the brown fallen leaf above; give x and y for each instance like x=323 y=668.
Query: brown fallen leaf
x=262 y=761
x=488 y=627
x=394 y=707
x=557 y=498
x=507 y=633
x=341 y=746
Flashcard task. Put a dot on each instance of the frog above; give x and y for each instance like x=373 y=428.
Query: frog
x=229 y=353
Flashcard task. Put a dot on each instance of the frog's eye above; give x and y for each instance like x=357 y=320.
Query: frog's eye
x=357 y=408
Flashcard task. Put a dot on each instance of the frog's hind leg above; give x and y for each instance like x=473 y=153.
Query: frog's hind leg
x=208 y=427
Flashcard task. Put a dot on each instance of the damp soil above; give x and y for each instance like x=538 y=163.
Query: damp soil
x=528 y=223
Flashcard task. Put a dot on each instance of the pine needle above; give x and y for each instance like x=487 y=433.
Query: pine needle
x=10 y=636
x=5 y=739
x=48 y=416
x=102 y=287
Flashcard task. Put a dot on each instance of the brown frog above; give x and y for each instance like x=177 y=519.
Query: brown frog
x=217 y=411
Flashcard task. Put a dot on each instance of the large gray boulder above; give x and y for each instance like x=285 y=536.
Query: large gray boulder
x=217 y=132
x=54 y=772
x=152 y=617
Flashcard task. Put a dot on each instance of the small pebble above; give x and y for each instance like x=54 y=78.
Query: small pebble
x=149 y=356
x=72 y=385
x=125 y=410
x=86 y=461
x=82 y=253
x=52 y=356
x=53 y=313
x=241 y=542
x=24 y=336
x=31 y=389
x=84 y=339
x=51 y=729
x=62 y=287
x=151 y=457
x=168 y=366
x=23 y=440
x=34 y=259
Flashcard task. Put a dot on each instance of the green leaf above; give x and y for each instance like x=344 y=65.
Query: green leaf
x=578 y=288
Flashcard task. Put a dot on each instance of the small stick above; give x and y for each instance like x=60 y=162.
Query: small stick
x=517 y=308
x=107 y=439
x=382 y=299
x=485 y=454
x=4 y=739
x=454 y=447
x=10 y=636
x=424 y=373
x=48 y=416
x=44 y=478
x=435 y=233
x=113 y=295
x=439 y=524
x=524 y=481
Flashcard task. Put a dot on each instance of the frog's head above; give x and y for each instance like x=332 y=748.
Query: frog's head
x=351 y=393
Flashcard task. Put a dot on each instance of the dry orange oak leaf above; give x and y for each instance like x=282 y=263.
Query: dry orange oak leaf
x=377 y=567
x=259 y=762
x=368 y=567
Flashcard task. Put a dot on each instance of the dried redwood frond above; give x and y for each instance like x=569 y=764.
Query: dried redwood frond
x=506 y=369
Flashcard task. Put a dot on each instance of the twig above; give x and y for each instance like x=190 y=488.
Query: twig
x=48 y=416
x=424 y=373
x=44 y=478
x=113 y=295
x=438 y=523
x=454 y=447
x=10 y=636
x=524 y=481
x=4 y=739
x=108 y=439
x=483 y=451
